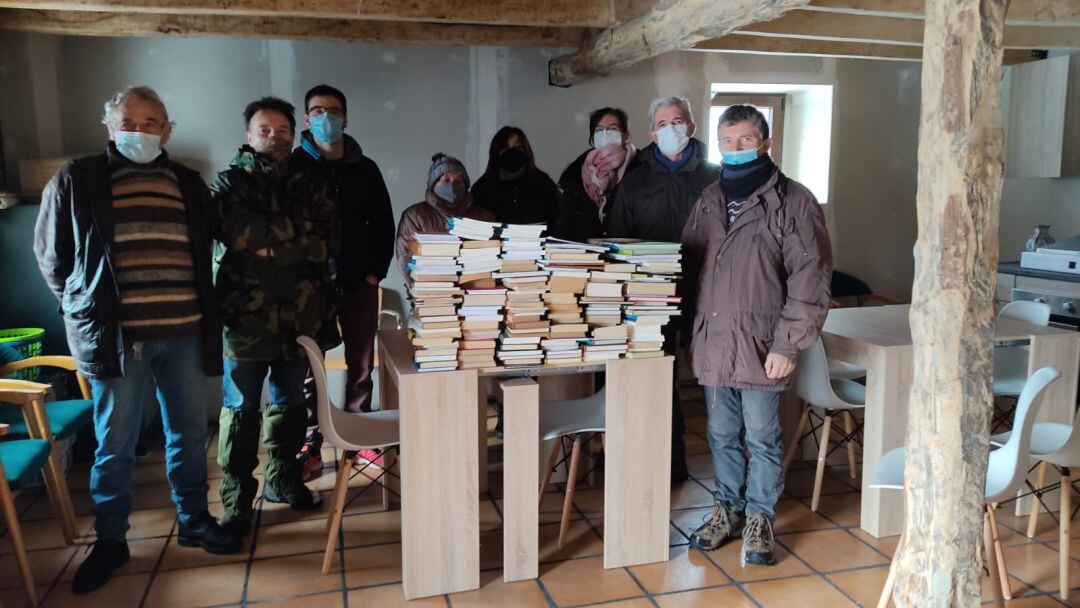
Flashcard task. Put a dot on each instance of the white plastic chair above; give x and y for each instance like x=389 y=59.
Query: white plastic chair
x=1011 y=362
x=347 y=432
x=1056 y=444
x=577 y=418
x=842 y=370
x=1005 y=474
x=815 y=386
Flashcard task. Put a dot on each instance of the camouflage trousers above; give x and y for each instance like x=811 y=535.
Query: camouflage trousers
x=281 y=424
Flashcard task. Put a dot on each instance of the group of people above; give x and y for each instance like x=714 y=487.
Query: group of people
x=305 y=233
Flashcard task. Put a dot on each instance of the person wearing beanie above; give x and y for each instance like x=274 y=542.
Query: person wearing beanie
x=447 y=195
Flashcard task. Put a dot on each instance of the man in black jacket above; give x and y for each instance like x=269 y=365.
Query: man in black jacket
x=653 y=203
x=123 y=240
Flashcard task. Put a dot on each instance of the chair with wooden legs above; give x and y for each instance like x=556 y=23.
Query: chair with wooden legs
x=835 y=396
x=35 y=422
x=579 y=419
x=1005 y=475
x=1011 y=362
x=349 y=433
x=20 y=462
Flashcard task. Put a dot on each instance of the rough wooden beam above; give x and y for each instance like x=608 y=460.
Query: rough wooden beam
x=897 y=30
x=577 y=13
x=679 y=24
x=1035 y=12
x=952 y=317
x=768 y=45
x=82 y=23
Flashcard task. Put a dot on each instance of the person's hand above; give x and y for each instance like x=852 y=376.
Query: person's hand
x=778 y=366
x=372 y=280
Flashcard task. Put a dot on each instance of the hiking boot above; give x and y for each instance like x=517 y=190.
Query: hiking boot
x=298 y=496
x=757 y=544
x=204 y=531
x=105 y=558
x=722 y=525
x=238 y=526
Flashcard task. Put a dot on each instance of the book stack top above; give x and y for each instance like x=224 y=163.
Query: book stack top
x=526 y=317
x=651 y=292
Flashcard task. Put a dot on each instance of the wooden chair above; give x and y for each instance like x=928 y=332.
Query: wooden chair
x=20 y=461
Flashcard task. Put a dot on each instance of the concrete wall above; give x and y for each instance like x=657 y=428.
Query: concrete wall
x=408 y=102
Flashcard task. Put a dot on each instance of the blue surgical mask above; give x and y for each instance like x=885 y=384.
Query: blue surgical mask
x=739 y=157
x=451 y=192
x=327 y=128
x=138 y=147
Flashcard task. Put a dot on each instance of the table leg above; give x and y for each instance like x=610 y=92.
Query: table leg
x=637 y=479
x=440 y=524
x=888 y=386
x=521 y=462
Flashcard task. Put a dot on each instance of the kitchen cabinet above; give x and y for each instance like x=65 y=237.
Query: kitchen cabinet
x=1042 y=137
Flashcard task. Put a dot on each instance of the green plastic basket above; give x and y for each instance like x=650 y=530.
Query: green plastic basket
x=27 y=341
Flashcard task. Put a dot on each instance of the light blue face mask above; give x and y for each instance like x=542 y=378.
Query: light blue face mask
x=327 y=128
x=138 y=147
x=739 y=157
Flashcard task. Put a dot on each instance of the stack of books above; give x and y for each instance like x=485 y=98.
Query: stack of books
x=481 y=317
x=650 y=292
x=434 y=327
x=472 y=230
x=478 y=261
x=522 y=247
x=605 y=343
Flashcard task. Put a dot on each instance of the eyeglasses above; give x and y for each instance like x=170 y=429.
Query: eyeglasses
x=319 y=111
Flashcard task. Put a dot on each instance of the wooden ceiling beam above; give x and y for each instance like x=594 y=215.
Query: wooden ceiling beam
x=84 y=23
x=554 y=13
x=768 y=45
x=893 y=30
x=1032 y=12
x=669 y=26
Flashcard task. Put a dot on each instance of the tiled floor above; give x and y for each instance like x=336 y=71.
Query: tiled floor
x=824 y=560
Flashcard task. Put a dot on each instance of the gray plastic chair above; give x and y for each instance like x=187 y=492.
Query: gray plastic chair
x=576 y=418
x=1005 y=474
x=819 y=390
x=1011 y=362
x=347 y=432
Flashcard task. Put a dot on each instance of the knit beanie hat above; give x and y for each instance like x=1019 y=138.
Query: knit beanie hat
x=441 y=164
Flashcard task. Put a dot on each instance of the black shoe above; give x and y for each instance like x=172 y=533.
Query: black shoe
x=238 y=526
x=299 y=498
x=679 y=474
x=105 y=558
x=205 y=532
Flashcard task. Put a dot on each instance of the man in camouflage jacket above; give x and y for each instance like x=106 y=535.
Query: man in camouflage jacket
x=280 y=230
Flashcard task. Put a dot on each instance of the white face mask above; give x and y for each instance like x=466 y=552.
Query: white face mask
x=672 y=139
x=607 y=138
x=138 y=147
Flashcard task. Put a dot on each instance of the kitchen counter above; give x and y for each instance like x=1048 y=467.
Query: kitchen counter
x=1014 y=268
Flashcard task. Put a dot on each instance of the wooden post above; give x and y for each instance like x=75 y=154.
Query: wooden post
x=960 y=179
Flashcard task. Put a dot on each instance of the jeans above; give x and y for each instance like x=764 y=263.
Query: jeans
x=754 y=489
x=244 y=381
x=175 y=365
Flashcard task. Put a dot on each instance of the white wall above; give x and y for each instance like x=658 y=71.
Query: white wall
x=408 y=102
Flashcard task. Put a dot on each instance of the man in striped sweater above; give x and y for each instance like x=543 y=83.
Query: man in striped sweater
x=123 y=240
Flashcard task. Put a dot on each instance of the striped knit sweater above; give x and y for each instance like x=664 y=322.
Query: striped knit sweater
x=154 y=267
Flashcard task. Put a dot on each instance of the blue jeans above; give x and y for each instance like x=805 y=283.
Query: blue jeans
x=175 y=365
x=244 y=381
x=754 y=489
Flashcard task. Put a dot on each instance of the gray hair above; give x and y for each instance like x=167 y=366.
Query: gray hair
x=741 y=112
x=680 y=102
x=143 y=93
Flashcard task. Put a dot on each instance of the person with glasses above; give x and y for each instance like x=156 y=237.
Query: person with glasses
x=123 y=240
x=356 y=185
x=589 y=184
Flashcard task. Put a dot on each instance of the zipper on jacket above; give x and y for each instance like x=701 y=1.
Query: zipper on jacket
x=798 y=237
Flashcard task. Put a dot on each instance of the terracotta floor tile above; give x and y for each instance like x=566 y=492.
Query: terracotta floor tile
x=637 y=602
x=46 y=566
x=491 y=545
x=811 y=591
x=696 y=444
x=793 y=516
x=588 y=500
x=697 y=424
x=283 y=577
x=334 y=599
x=280 y=513
x=121 y=591
x=391 y=596
x=151 y=522
x=1040 y=601
x=729 y=559
x=372 y=565
x=864 y=586
x=489 y=516
x=689 y=520
x=150 y=474
x=177 y=557
x=685 y=569
x=291 y=538
x=582 y=581
x=690 y=494
x=799 y=483
x=493 y=592
x=581 y=541
x=728 y=597
x=844 y=508
x=885 y=544
x=45 y=534
x=144 y=558
x=829 y=550
x=16 y=598
x=209 y=586
x=1036 y=565
x=700 y=465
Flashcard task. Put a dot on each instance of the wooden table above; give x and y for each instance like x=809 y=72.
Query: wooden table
x=879 y=339
x=440 y=466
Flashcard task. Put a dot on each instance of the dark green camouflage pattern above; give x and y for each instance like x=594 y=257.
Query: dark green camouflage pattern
x=269 y=300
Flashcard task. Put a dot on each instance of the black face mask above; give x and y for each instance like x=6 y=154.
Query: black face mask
x=512 y=160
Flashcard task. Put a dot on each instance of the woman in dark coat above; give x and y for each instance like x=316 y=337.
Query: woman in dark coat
x=588 y=185
x=512 y=187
